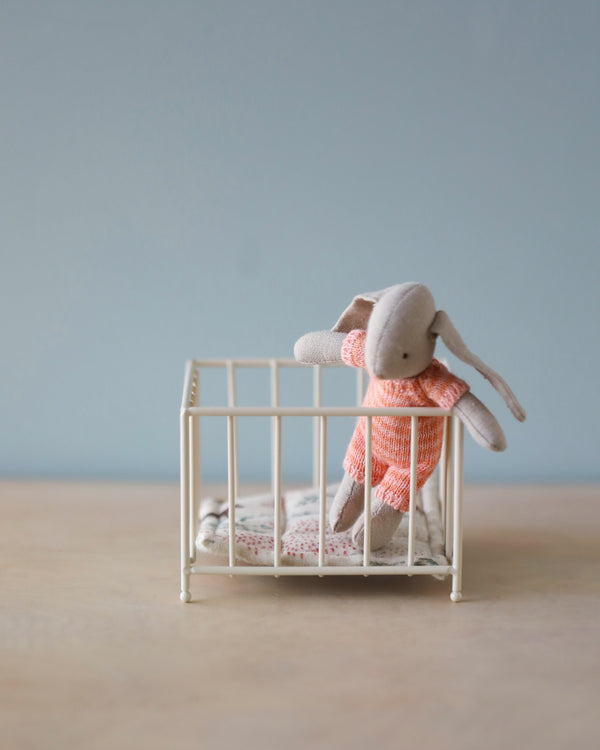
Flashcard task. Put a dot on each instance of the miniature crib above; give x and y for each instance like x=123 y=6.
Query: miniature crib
x=444 y=495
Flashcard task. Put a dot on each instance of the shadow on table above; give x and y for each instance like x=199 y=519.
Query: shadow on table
x=495 y=567
x=524 y=562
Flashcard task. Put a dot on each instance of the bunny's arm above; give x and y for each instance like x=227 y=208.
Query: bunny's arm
x=320 y=348
x=450 y=392
x=480 y=422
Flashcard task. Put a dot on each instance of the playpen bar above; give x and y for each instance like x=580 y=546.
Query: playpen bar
x=327 y=570
x=317 y=399
x=277 y=491
x=442 y=473
x=274 y=402
x=414 y=450
x=449 y=493
x=368 y=482
x=322 y=487
x=194 y=460
x=318 y=411
x=456 y=594
x=194 y=481
x=274 y=382
x=360 y=386
x=232 y=403
x=276 y=447
x=188 y=385
x=184 y=502
x=231 y=488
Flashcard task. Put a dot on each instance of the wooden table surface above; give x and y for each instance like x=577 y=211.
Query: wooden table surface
x=97 y=651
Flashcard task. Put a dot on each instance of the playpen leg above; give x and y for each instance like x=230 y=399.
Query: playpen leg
x=456 y=594
x=194 y=490
x=185 y=594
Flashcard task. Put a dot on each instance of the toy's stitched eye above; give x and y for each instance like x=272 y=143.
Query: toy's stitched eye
x=405 y=355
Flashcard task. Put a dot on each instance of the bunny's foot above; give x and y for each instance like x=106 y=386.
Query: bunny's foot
x=384 y=522
x=347 y=504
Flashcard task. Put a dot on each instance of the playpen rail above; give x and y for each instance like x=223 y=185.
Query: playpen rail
x=326 y=570
x=315 y=411
x=282 y=362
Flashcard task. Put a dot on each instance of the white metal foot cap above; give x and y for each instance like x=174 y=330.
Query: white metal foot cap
x=456 y=596
x=185 y=596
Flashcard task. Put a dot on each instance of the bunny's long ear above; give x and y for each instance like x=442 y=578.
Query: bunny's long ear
x=358 y=312
x=442 y=325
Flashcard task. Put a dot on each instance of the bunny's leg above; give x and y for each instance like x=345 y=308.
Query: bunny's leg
x=347 y=504
x=384 y=522
x=349 y=501
x=394 y=488
x=392 y=501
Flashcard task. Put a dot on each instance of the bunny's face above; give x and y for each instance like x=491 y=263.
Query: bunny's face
x=399 y=341
x=402 y=326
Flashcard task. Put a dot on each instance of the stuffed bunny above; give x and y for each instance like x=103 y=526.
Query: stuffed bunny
x=392 y=333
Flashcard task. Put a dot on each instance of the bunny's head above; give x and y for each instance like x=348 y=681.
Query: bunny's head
x=402 y=326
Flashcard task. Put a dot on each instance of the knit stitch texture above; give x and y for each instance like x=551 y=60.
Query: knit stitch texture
x=435 y=386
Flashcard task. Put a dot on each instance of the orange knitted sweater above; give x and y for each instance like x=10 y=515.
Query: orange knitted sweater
x=435 y=386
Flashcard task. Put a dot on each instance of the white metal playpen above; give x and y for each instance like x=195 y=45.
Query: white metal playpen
x=449 y=476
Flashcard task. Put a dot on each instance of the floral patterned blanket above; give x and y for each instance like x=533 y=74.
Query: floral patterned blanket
x=254 y=531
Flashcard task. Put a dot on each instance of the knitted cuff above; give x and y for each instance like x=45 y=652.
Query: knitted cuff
x=353 y=348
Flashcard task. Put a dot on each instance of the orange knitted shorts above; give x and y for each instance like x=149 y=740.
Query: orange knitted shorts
x=392 y=482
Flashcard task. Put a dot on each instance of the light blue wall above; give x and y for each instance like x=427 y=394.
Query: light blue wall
x=215 y=178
